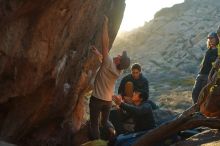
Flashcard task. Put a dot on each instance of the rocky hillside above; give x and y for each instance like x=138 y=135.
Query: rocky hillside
x=171 y=46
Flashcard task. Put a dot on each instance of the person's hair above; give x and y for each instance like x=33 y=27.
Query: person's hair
x=124 y=61
x=208 y=44
x=143 y=94
x=136 y=66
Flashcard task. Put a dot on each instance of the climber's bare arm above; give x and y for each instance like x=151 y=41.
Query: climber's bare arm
x=105 y=37
x=97 y=53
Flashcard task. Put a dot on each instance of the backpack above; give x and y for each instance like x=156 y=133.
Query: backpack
x=211 y=105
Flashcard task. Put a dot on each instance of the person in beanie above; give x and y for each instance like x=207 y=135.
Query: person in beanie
x=110 y=70
x=206 y=65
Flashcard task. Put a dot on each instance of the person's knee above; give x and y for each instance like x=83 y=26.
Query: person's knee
x=104 y=123
x=129 y=87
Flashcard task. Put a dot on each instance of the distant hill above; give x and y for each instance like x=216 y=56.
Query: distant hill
x=171 y=46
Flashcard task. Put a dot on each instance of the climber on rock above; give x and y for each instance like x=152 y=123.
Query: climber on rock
x=110 y=70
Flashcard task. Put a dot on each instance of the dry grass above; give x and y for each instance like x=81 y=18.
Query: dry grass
x=176 y=101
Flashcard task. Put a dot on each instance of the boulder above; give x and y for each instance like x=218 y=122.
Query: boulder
x=46 y=66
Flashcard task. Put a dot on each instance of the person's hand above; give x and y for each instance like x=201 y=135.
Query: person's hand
x=127 y=99
x=94 y=49
x=117 y=99
x=96 y=52
x=105 y=19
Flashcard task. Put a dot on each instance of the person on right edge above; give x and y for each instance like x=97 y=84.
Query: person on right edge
x=206 y=65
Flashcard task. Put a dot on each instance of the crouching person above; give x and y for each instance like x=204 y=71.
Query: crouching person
x=142 y=114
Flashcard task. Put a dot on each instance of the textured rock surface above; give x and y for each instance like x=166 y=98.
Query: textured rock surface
x=46 y=66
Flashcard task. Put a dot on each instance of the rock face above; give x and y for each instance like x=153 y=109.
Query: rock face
x=46 y=65
x=171 y=46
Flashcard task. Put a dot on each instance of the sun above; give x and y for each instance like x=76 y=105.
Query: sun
x=137 y=12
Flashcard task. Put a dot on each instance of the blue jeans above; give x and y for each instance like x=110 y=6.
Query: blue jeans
x=201 y=81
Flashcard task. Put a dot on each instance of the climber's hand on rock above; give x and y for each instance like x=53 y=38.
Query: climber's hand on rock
x=105 y=19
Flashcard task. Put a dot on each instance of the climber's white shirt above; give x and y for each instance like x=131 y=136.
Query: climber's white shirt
x=105 y=80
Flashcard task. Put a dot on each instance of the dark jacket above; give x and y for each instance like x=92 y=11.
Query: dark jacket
x=141 y=83
x=210 y=57
x=142 y=115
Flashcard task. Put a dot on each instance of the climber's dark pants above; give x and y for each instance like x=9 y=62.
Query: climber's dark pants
x=201 y=81
x=96 y=107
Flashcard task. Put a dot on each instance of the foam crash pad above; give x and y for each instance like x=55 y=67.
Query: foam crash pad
x=95 y=143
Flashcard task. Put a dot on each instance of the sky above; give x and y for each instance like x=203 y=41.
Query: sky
x=137 y=12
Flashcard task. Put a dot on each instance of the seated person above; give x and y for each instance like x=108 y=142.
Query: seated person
x=134 y=80
x=140 y=110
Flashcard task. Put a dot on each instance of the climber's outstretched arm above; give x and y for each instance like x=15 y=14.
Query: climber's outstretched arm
x=105 y=37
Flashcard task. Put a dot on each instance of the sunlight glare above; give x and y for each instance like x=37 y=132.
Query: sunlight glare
x=137 y=12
